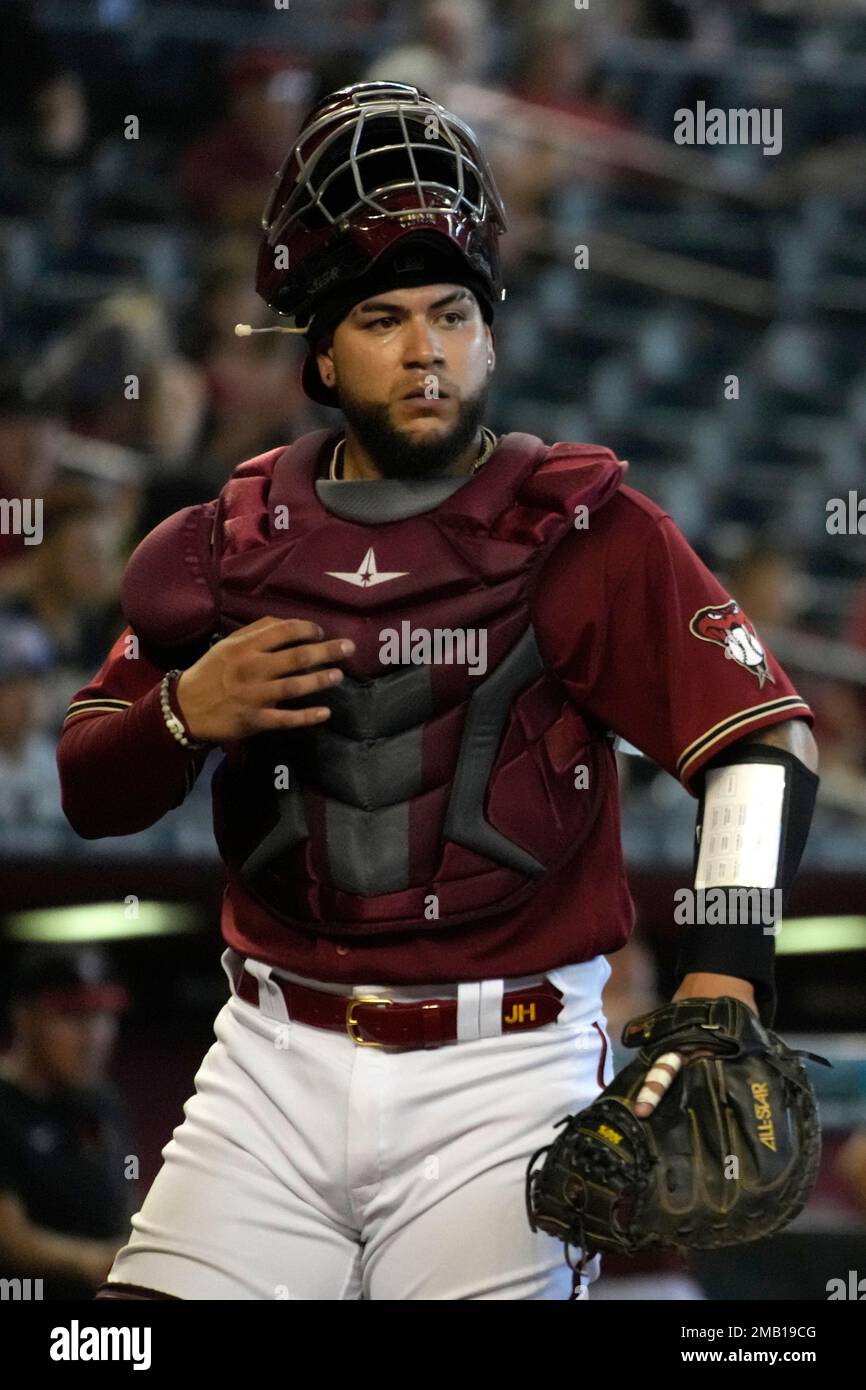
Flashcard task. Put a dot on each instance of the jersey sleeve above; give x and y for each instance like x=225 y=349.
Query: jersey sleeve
x=120 y=766
x=658 y=651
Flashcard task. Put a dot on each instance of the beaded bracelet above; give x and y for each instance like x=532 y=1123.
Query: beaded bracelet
x=173 y=723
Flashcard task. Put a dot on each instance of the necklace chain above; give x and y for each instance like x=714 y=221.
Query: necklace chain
x=490 y=443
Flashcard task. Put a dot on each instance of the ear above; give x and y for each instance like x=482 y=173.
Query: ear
x=325 y=359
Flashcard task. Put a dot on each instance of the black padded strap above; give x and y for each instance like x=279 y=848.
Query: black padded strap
x=746 y=951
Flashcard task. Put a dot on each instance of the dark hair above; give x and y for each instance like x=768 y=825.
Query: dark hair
x=73 y=977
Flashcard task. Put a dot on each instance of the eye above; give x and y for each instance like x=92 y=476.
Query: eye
x=385 y=318
x=454 y=314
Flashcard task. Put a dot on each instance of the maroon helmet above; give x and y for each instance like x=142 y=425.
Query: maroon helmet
x=373 y=164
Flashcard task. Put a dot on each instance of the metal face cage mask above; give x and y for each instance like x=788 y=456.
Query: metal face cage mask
x=372 y=163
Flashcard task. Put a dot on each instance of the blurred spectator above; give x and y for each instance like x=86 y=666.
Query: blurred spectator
x=31 y=813
x=253 y=396
x=30 y=432
x=850 y=1166
x=20 y=80
x=108 y=474
x=65 y=1201
x=29 y=786
x=843 y=712
x=834 y=167
x=450 y=43
x=30 y=435
x=658 y=19
x=766 y=585
x=62 y=135
x=74 y=578
x=555 y=70
x=856 y=627
x=669 y=19
x=48 y=166
x=121 y=379
x=226 y=174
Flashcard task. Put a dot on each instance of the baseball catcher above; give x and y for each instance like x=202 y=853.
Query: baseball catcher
x=414 y=642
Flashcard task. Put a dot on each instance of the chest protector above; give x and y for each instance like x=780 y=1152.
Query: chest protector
x=453 y=772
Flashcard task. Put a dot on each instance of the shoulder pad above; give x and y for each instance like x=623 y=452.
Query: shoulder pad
x=168 y=594
x=569 y=474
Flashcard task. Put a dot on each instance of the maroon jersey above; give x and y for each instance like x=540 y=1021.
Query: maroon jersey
x=643 y=639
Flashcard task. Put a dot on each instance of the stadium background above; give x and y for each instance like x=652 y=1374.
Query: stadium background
x=137 y=146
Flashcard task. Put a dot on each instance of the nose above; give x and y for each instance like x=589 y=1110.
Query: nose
x=422 y=347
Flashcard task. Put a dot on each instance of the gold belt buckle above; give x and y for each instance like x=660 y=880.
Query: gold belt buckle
x=352 y=1022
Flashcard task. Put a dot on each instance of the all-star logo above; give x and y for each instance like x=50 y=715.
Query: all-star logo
x=367 y=574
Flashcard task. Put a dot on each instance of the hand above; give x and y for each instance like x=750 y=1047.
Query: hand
x=233 y=690
x=661 y=1075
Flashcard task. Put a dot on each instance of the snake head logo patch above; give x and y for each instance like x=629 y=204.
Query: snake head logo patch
x=727 y=625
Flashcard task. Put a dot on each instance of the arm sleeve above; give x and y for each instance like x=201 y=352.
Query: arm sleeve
x=661 y=654
x=120 y=767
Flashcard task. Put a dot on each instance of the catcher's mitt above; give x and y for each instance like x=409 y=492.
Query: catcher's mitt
x=730 y=1153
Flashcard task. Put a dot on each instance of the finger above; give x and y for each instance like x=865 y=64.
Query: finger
x=293 y=687
x=262 y=697
x=282 y=663
x=276 y=632
x=267 y=719
x=657 y=1083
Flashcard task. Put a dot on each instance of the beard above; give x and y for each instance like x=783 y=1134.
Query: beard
x=396 y=453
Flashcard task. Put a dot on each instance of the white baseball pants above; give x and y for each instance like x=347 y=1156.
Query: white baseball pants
x=308 y=1167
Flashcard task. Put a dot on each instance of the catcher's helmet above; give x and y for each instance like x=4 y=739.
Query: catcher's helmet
x=373 y=164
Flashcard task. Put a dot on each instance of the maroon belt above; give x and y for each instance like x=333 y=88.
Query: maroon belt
x=373 y=1020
